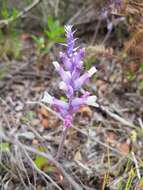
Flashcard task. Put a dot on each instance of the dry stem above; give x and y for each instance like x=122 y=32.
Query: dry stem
x=60 y=149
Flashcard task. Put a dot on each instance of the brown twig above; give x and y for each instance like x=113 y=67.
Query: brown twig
x=20 y=14
x=96 y=32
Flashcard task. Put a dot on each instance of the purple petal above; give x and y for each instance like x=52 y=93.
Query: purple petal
x=77 y=58
x=66 y=61
x=80 y=81
x=60 y=104
x=77 y=103
x=76 y=73
x=67 y=88
x=77 y=63
x=65 y=75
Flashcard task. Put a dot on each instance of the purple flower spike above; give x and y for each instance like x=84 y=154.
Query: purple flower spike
x=70 y=70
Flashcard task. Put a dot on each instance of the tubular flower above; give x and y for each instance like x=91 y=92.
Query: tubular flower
x=70 y=72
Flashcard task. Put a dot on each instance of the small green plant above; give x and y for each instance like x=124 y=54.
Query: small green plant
x=10 y=46
x=40 y=44
x=54 y=31
x=6 y=14
x=29 y=116
x=10 y=14
x=130 y=75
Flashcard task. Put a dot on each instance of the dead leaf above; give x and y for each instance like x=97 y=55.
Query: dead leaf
x=42 y=111
x=45 y=123
x=124 y=148
x=111 y=137
x=39 y=187
x=86 y=111
x=99 y=83
x=140 y=77
x=25 y=37
x=37 y=88
x=35 y=142
x=140 y=186
x=102 y=87
x=35 y=122
x=78 y=156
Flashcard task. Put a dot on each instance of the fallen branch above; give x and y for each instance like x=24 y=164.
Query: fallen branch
x=117 y=117
x=20 y=14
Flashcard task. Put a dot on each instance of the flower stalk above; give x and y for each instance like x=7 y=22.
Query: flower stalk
x=61 y=145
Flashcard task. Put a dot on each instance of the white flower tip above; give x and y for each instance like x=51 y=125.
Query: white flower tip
x=92 y=71
x=75 y=49
x=68 y=74
x=56 y=65
x=91 y=101
x=62 y=86
x=47 y=98
x=68 y=28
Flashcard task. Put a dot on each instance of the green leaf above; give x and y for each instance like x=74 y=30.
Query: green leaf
x=56 y=33
x=30 y=115
x=59 y=39
x=5 y=13
x=50 y=23
x=41 y=40
x=43 y=164
x=63 y=98
x=54 y=30
x=48 y=33
x=130 y=76
x=141 y=66
x=14 y=13
x=4 y=147
x=34 y=38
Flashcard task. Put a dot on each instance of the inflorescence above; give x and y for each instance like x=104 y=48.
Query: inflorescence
x=70 y=71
